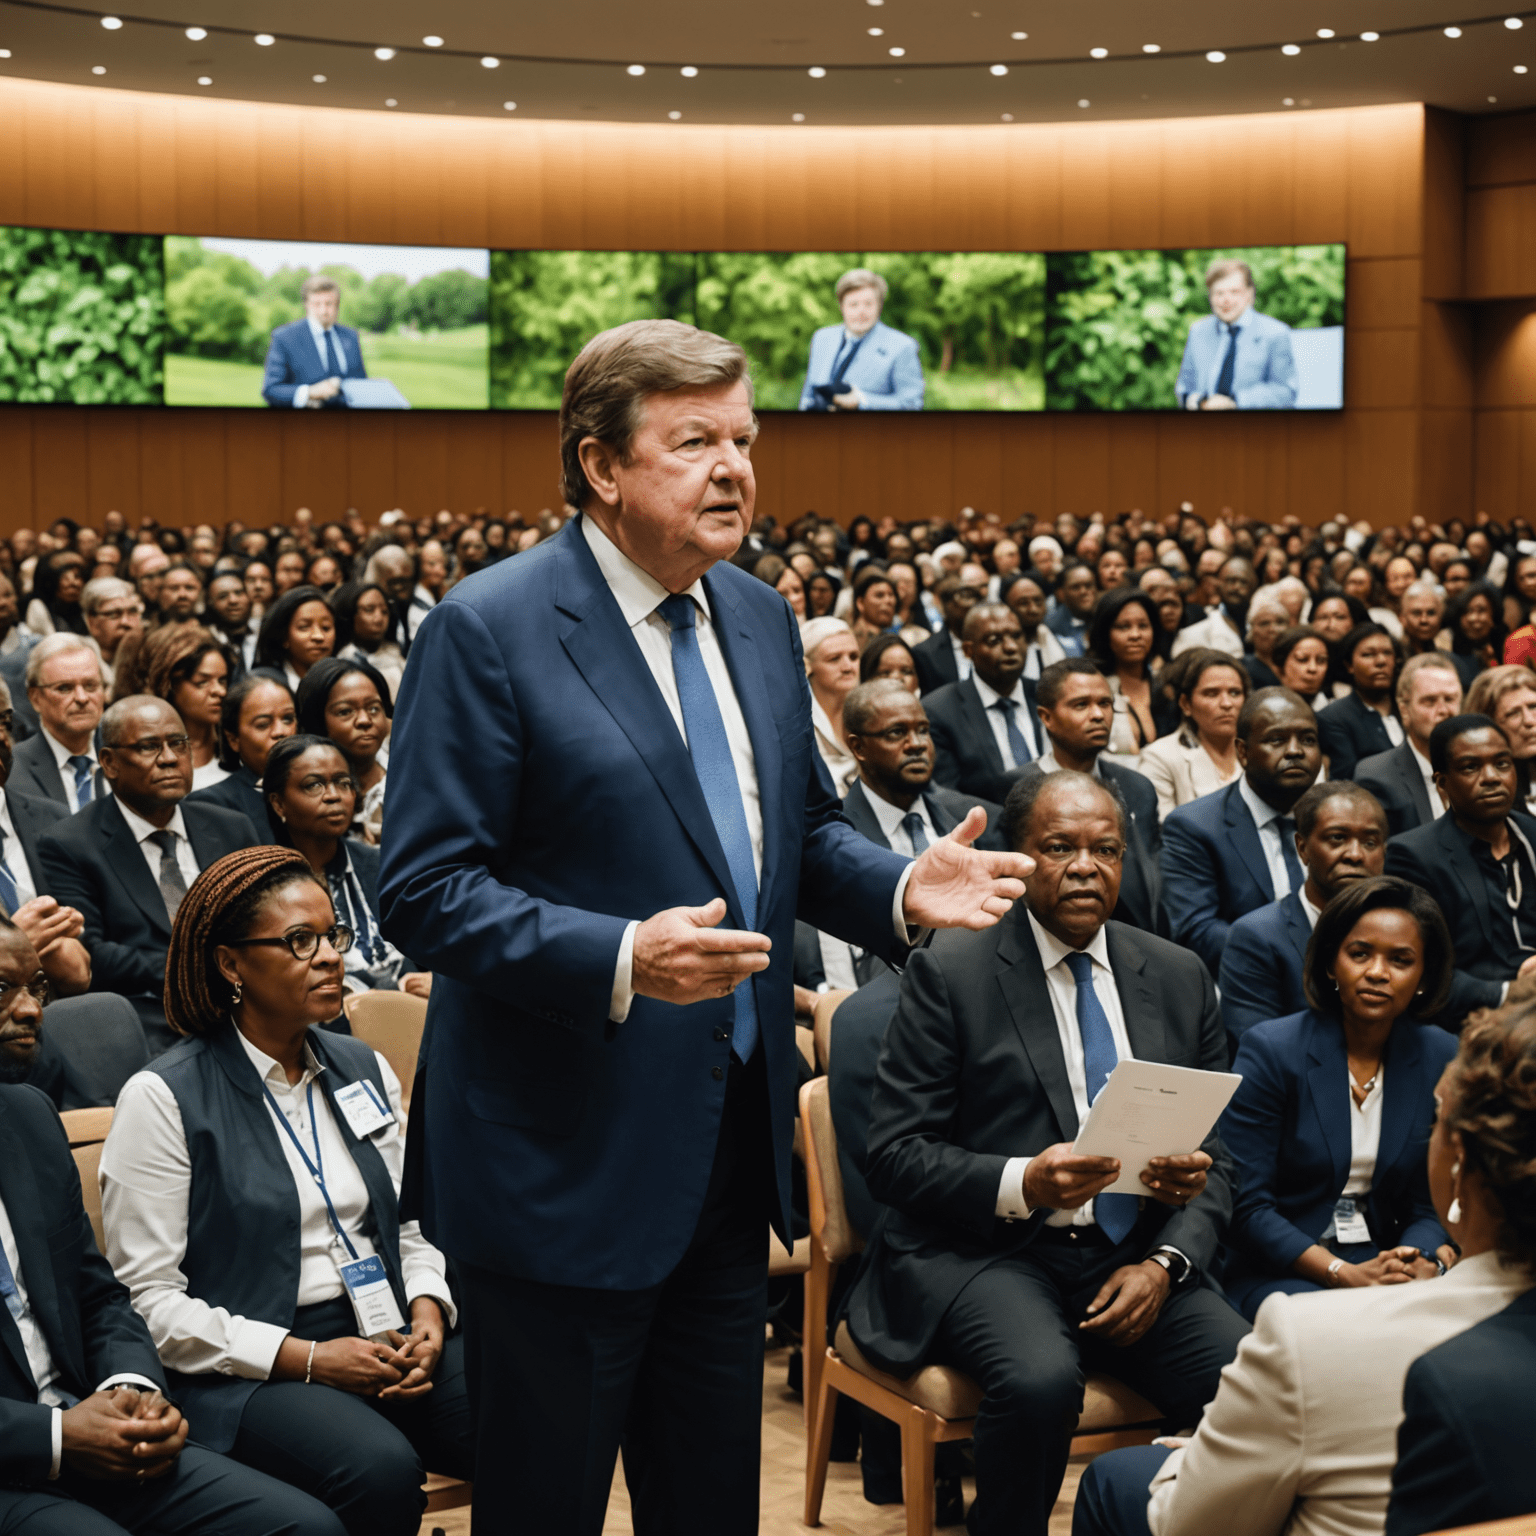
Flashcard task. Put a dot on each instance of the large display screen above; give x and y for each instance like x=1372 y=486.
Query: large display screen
x=98 y=319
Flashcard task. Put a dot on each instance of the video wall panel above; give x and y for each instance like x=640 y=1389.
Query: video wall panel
x=88 y=318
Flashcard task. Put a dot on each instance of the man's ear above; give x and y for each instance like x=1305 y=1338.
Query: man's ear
x=599 y=462
x=1241 y=748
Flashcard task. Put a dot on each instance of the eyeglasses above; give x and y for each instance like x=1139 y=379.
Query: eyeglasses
x=346 y=713
x=62 y=691
x=10 y=992
x=151 y=747
x=897 y=733
x=315 y=785
x=119 y=613
x=304 y=943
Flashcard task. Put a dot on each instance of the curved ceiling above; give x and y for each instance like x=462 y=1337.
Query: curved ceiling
x=880 y=61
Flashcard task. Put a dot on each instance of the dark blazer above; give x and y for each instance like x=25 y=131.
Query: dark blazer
x=13 y=668
x=239 y=792
x=1260 y=673
x=1214 y=871
x=511 y=870
x=93 y=864
x=1464 y=1446
x=1287 y=1128
x=1437 y=857
x=93 y=1333
x=294 y=359
x=1348 y=730
x=1071 y=631
x=1262 y=964
x=34 y=772
x=32 y=816
x=858 y=1033
x=1394 y=778
x=946 y=810
x=934 y=659
x=972 y=1073
x=965 y=754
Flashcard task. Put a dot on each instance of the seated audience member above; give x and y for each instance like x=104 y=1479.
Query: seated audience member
x=1224 y=627
x=995 y=1257
x=874 y=605
x=349 y=702
x=181 y=593
x=1027 y=597
x=1428 y=691
x=257 y=712
x=821 y=592
x=311 y=798
x=1421 y=612
x=189 y=667
x=984 y=728
x=889 y=657
x=1077 y=591
x=65 y=688
x=1507 y=695
x=1474 y=619
x=1341 y=839
x=367 y=630
x=1075 y=708
x=112 y=612
x=261 y=588
x=1268 y=619
x=126 y=861
x=233 y=1193
x=832 y=666
x=57 y=582
x=394 y=569
x=298 y=631
x=1201 y=756
x=1303 y=1433
x=1478 y=861
x=287 y=573
x=147 y=565
x=941 y=658
x=1122 y=643
x=1363 y=723
x=1301 y=657
x=229 y=617
x=1354 y=1069
x=1233 y=852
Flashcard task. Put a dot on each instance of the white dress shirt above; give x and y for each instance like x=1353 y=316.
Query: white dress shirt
x=186 y=860
x=1267 y=819
x=16 y=855
x=422 y=603
x=212 y=772
x=1436 y=804
x=638 y=594
x=320 y=335
x=61 y=756
x=989 y=697
x=146 y=1180
x=1364 y=1137
x=1394 y=728
x=962 y=661
x=1011 y=1204
x=891 y=818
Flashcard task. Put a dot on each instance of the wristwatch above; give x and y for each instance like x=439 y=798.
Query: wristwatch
x=1174 y=1262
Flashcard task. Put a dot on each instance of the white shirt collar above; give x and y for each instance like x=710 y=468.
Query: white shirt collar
x=1262 y=811
x=891 y=816
x=1049 y=764
x=320 y=332
x=271 y=1070
x=990 y=696
x=1312 y=913
x=1421 y=760
x=1053 y=951
x=12 y=840
x=62 y=754
x=142 y=829
x=637 y=592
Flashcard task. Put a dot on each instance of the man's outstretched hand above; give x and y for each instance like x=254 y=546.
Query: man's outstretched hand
x=954 y=885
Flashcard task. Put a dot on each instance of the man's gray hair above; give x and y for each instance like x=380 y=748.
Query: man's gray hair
x=55 y=645
x=385 y=555
x=607 y=386
x=104 y=590
x=1424 y=588
x=861 y=277
x=1432 y=661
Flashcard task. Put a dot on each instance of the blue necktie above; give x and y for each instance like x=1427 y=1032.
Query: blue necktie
x=716 y=770
x=84 y=785
x=1286 y=826
x=1016 y=742
x=1228 y=363
x=337 y=358
x=13 y=1302
x=8 y=896
x=1115 y=1213
x=912 y=825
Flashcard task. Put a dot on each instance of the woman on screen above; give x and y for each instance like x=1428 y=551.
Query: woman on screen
x=862 y=364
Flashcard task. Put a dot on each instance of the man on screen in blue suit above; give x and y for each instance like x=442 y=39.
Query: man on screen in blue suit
x=309 y=358
x=606 y=813
x=1235 y=358
x=862 y=364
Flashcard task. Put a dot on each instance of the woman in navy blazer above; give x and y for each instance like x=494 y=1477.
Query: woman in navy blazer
x=1329 y=1125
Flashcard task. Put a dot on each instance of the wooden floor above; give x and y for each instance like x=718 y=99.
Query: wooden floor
x=844 y=1512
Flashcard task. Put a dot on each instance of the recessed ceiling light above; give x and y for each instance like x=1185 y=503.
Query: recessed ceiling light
x=1018 y=37
x=675 y=116
x=1085 y=102
x=264 y=39
x=897 y=53
x=1453 y=31
x=5 y=53
x=1216 y=56
x=197 y=34
x=386 y=54
x=1370 y=37
x=877 y=31
x=98 y=69
x=636 y=70
x=1325 y=31
x=1151 y=47
x=205 y=79
x=1493 y=98
x=689 y=71
x=111 y=23
x=797 y=117
x=389 y=101
x=1290 y=50
x=490 y=61
x=432 y=42
x=1098 y=53
x=1514 y=23
x=318 y=79
x=1287 y=101
x=874 y=2
x=816 y=72
x=509 y=106
x=1007 y=117
x=1520 y=69
x=999 y=69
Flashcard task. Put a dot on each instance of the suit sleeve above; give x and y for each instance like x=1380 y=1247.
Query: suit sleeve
x=115 y=967
x=1248 y=980
x=906 y=383
x=1191 y=895
x=1277 y=391
x=276 y=386
x=946 y=763
x=1338 y=744
x=1438 y=1483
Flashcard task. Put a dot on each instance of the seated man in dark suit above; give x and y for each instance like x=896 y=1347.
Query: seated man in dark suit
x=89 y=1446
x=1478 y=861
x=1341 y=837
x=984 y=728
x=129 y=857
x=1428 y=691
x=1076 y=711
x=308 y=359
x=1232 y=852
x=940 y=659
x=995 y=1256
x=65 y=687
x=1364 y=722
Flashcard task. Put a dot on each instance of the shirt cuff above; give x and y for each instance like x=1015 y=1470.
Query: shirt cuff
x=435 y=1288
x=253 y=1347
x=623 y=993
x=1011 y=1204
x=905 y=933
x=129 y=1379
x=58 y=1445
x=301 y=397
x=1177 y=1253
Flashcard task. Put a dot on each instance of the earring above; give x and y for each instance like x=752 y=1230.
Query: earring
x=237 y=992
x=1453 y=1215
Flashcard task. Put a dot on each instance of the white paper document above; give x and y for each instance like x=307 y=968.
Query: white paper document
x=1148 y=1109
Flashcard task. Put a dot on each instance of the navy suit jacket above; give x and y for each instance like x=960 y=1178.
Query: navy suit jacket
x=965 y=754
x=1394 y=778
x=294 y=359
x=935 y=661
x=1349 y=730
x=1214 y=872
x=34 y=772
x=1464 y=1446
x=858 y=1032
x=32 y=816
x=240 y=792
x=947 y=808
x=1261 y=966
x=1287 y=1128
x=541 y=798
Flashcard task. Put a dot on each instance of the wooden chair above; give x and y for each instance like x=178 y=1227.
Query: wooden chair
x=937 y=1404
x=1519 y=1525
x=87 y=1130
x=446 y=1493
x=391 y=1022
x=84 y=1126
x=821 y=1024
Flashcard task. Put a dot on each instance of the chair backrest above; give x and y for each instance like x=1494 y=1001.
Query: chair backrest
x=101 y=1043
x=88 y=1162
x=84 y=1126
x=392 y=1023
x=821 y=1023
x=830 y=1225
x=806 y=1045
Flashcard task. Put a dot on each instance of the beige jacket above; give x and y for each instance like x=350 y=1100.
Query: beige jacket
x=1181 y=770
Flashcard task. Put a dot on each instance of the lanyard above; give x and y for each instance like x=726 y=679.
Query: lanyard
x=316 y=1168
x=361 y=919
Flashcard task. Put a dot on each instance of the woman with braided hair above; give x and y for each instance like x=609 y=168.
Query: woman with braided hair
x=250 y=1191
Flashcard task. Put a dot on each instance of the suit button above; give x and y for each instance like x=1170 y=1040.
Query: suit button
x=722 y=1034
x=717 y=1073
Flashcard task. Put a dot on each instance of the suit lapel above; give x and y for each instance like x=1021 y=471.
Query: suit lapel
x=1400 y=1091
x=1143 y=1022
x=938 y=814
x=126 y=859
x=1245 y=838
x=1328 y=1084
x=1297 y=926
x=981 y=726
x=1413 y=782
x=18 y=1188
x=27 y=832
x=857 y=809
x=1021 y=978
x=207 y=846
x=47 y=771
x=1461 y=864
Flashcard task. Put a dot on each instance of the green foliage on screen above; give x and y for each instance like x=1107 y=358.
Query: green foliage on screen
x=1119 y=319
x=81 y=317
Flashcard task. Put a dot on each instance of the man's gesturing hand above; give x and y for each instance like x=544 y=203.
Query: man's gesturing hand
x=1061 y=1180
x=954 y=885
x=682 y=957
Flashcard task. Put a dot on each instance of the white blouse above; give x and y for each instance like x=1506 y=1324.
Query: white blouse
x=1364 y=1137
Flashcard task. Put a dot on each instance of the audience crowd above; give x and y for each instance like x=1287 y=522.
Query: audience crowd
x=1277 y=784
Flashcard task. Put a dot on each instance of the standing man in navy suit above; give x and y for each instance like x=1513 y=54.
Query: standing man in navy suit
x=606 y=814
x=309 y=358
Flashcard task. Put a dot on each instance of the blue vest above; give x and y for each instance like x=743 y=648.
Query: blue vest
x=243 y=1220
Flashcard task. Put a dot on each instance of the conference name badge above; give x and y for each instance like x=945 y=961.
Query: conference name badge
x=1349 y=1222
x=373 y=1301
x=364 y=1107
